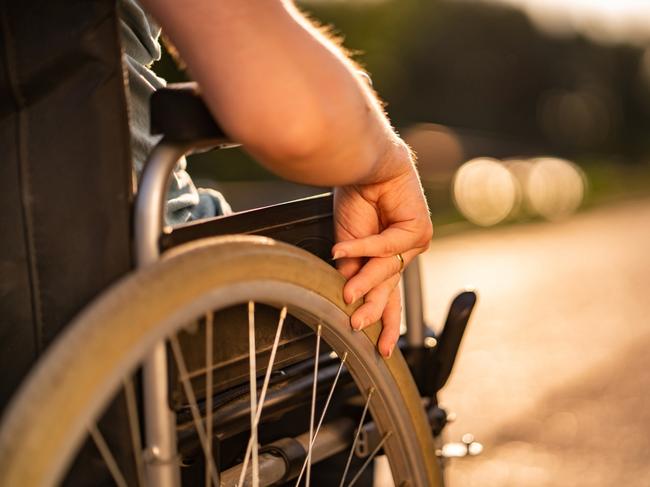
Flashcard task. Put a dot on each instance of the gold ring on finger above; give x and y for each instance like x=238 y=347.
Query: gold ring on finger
x=401 y=262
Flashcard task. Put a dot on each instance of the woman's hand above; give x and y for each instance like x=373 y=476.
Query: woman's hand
x=373 y=223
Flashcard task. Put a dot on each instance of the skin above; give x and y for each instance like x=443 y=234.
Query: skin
x=278 y=85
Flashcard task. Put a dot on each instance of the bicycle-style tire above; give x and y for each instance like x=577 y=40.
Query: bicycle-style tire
x=47 y=420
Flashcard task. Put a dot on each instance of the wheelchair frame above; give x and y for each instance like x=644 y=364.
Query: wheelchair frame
x=149 y=230
x=429 y=365
x=149 y=216
x=94 y=41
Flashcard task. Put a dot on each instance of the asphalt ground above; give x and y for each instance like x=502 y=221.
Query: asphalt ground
x=554 y=372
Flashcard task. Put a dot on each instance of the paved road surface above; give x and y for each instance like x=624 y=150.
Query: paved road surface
x=554 y=374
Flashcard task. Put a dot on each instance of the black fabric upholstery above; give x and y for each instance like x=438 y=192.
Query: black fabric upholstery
x=65 y=180
x=179 y=114
x=65 y=173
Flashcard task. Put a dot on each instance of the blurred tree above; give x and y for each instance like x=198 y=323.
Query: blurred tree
x=484 y=70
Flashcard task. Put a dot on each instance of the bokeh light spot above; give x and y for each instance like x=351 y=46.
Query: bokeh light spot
x=484 y=191
x=555 y=187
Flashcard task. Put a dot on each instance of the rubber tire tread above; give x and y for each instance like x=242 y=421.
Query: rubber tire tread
x=57 y=395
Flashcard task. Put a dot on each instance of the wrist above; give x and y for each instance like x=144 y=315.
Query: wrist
x=395 y=160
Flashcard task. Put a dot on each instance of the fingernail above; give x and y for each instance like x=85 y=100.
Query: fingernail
x=390 y=351
x=352 y=299
x=356 y=325
x=339 y=254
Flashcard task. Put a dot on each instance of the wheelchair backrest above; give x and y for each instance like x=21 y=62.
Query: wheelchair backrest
x=65 y=174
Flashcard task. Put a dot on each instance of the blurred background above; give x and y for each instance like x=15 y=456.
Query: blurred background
x=531 y=121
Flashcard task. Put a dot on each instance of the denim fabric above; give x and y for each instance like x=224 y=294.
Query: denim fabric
x=139 y=35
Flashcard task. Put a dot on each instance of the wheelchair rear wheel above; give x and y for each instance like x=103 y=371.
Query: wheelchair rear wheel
x=55 y=411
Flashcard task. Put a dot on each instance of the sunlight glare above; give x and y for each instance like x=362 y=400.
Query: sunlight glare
x=484 y=191
x=555 y=187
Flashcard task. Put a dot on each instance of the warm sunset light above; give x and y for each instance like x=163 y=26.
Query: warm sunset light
x=555 y=187
x=607 y=21
x=484 y=191
x=354 y=243
x=487 y=191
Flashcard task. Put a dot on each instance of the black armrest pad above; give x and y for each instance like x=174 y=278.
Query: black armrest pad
x=179 y=114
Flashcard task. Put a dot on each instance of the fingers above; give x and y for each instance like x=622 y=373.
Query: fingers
x=392 y=241
x=375 y=303
x=389 y=242
x=349 y=267
x=391 y=319
x=372 y=274
x=383 y=302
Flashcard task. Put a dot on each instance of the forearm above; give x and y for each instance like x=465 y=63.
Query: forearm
x=282 y=89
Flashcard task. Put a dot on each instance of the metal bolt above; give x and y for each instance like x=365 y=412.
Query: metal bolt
x=430 y=342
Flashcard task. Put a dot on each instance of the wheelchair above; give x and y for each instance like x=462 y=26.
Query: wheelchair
x=226 y=357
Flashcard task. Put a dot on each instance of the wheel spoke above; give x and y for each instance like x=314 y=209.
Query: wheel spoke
x=194 y=407
x=265 y=385
x=313 y=406
x=225 y=285
x=107 y=456
x=135 y=429
x=209 y=327
x=312 y=437
x=369 y=459
x=356 y=436
x=253 y=390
